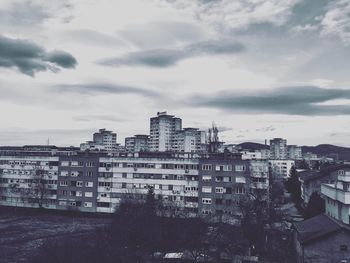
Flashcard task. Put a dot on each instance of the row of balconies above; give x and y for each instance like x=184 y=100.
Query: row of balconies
x=335 y=194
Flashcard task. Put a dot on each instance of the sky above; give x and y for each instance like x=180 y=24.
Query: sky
x=258 y=68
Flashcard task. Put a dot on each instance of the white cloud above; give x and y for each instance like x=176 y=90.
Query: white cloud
x=336 y=21
x=237 y=14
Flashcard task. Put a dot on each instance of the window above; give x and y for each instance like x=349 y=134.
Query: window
x=206 y=178
x=89 y=184
x=88 y=194
x=219 y=190
x=240 y=179
x=206 y=189
x=103 y=204
x=239 y=168
x=89 y=174
x=63 y=183
x=79 y=193
x=80 y=184
x=65 y=163
x=206 y=201
x=88 y=204
x=64 y=173
x=90 y=164
x=206 y=167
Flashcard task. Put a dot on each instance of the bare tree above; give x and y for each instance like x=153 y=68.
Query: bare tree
x=37 y=191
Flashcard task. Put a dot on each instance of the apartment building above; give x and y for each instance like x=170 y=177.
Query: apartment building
x=162 y=131
x=295 y=152
x=28 y=178
x=278 y=149
x=337 y=196
x=77 y=182
x=69 y=179
x=189 y=140
x=223 y=180
x=280 y=169
x=137 y=143
x=174 y=179
x=102 y=140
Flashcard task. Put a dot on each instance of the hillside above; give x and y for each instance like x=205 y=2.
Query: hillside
x=342 y=153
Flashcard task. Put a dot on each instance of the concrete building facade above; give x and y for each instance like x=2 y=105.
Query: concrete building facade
x=137 y=143
x=278 y=149
x=162 y=130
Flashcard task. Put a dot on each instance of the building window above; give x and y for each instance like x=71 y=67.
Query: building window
x=206 y=167
x=89 y=184
x=219 y=190
x=80 y=184
x=206 y=201
x=206 y=189
x=63 y=183
x=88 y=204
x=206 y=178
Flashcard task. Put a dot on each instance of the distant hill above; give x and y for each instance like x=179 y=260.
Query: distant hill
x=342 y=153
x=252 y=146
x=329 y=150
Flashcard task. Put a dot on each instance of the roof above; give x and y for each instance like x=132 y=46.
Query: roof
x=317 y=227
x=326 y=171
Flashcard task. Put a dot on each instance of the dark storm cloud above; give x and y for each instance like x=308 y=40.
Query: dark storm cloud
x=168 y=57
x=287 y=100
x=103 y=88
x=30 y=58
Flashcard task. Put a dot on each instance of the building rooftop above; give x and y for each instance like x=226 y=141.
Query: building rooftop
x=312 y=175
x=316 y=227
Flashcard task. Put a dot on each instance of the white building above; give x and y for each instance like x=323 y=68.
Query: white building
x=280 y=169
x=28 y=181
x=162 y=131
x=278 y=149
x=337 y=197
x=102 y=140
x=295 y=152
x=247 y=155
x=174 y=180
x=189 y=140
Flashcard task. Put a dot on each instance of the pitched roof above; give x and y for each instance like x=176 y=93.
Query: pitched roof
x=317 y=227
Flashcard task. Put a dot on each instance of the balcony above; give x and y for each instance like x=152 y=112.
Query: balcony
x=335 y=194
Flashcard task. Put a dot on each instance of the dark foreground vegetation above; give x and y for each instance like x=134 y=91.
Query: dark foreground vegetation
x=137 y=234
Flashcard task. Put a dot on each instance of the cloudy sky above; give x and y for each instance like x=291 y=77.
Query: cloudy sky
x=258 y=68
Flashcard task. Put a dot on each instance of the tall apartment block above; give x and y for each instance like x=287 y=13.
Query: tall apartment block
x=102 y=140
x=278 y=149
x=162 y=131
x=106 y=138
x=137 y=143
x=295 y=152
x=189 y=140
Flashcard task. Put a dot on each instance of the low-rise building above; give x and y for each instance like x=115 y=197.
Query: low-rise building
x=311 y=180
x=280 y=169
x=321 y=239
x=337 y=196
